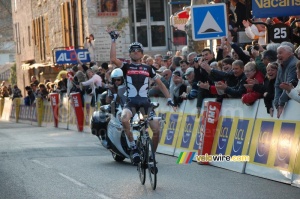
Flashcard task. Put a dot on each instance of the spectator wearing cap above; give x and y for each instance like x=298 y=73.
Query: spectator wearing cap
x=255 y=31
x=165 y=78
x=192 y=88
x=177 y=88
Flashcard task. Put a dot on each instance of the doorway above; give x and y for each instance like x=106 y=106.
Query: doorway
x=149 y=26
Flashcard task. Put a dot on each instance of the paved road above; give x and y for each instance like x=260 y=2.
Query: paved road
x=44 y=162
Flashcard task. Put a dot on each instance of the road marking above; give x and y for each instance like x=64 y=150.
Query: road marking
x=100 y=195
x=72 y=180
x=42 y=164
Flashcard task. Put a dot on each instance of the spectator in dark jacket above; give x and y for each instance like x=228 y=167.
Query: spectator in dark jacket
x=29 y=99
x=16 y=92
x=229 y=84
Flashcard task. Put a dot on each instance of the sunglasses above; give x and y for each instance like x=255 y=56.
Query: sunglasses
x=117 y=80
x=136 y=50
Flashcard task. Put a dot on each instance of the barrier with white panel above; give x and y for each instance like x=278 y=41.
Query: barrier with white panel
x=170 y=129
x=275 y=143
x=189 y=129
x=7 y=109
x=234 y=132
x=272 y=144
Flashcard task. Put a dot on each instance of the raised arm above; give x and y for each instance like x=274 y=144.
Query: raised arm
x=113 y=55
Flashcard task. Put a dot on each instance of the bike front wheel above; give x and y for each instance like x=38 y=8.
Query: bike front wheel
x=141 y=167
x=152 y=169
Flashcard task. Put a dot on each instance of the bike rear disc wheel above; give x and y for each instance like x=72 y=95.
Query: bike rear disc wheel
x=141 y=167
x=152 y=169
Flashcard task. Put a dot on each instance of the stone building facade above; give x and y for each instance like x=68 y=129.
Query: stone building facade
x=43 y=26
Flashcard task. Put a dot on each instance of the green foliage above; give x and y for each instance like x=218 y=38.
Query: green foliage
x=13 y=75
x=119 y=24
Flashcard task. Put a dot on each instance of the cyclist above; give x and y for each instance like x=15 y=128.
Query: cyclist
x=136 y=76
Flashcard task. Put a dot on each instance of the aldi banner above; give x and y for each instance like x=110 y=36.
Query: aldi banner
x=70 y=57
x=271 y=8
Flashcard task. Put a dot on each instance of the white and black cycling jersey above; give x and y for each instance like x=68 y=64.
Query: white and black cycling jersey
x=137 y=79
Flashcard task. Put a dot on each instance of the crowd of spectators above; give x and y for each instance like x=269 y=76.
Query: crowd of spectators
x=260 y=70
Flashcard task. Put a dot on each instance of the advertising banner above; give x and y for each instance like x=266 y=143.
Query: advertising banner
x=233 y=135
x=274 y=144
x=170 y=127
x=54 y=100
x=1 y=106
x=39 y=110
x=268 y=8
x=77 y=105
x=69 y=56
x=208 y=128
x=17 y=103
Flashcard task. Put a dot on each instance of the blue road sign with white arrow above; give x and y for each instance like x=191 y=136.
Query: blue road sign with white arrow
x=209 y=21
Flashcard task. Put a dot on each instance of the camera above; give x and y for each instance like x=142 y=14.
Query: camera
x=196 y=59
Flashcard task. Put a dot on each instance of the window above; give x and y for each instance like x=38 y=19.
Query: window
x=29 y=36
x=17 y=38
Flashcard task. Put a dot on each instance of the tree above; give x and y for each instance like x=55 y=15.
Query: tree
x=196 y=46
x=13 y=75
